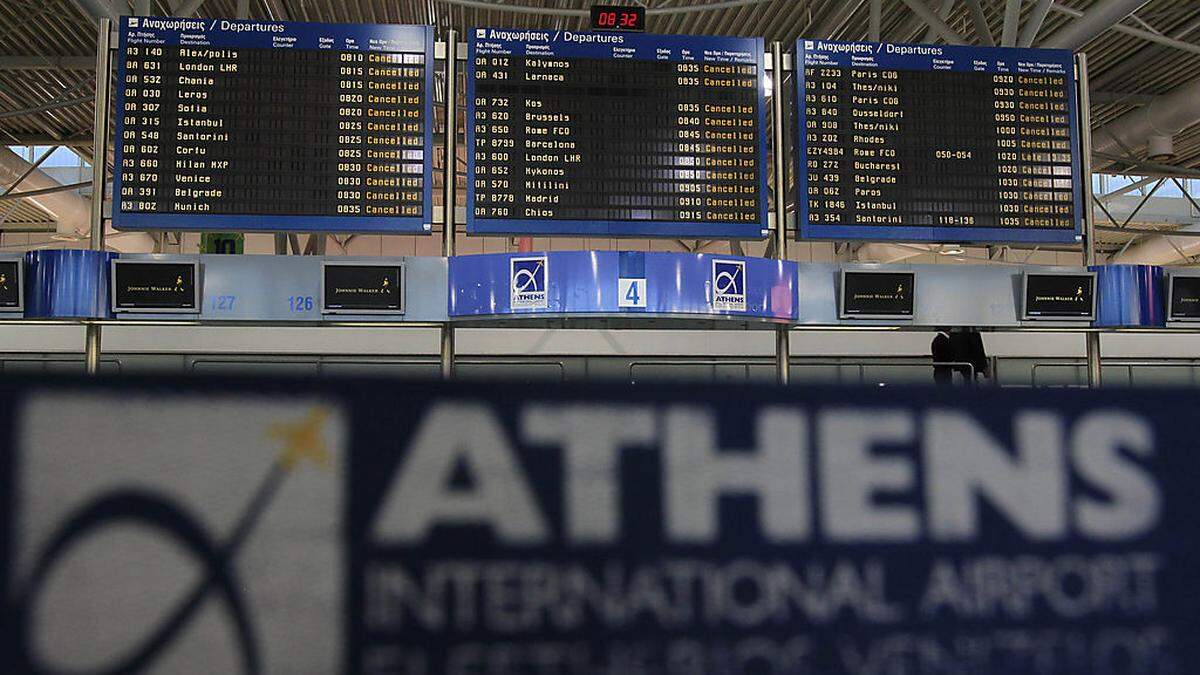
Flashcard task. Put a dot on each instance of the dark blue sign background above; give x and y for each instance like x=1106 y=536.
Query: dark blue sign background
x=1091 y=609
x=1105 y=579
x=311 y=36
x=949 y=58
x=638 y=47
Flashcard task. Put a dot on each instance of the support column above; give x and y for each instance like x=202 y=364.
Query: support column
x=874 y=20
x=450 y=183
x=99 y=164
x=1089 y=209
x=91 y=344
x=783 y=334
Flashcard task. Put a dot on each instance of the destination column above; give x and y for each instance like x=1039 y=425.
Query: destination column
x=201 y=127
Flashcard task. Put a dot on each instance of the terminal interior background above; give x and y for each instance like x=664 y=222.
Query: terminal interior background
x=1144 y=66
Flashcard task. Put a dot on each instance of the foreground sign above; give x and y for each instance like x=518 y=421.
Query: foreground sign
x=435 y=529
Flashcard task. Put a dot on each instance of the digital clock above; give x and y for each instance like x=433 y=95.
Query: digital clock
x=617 y=17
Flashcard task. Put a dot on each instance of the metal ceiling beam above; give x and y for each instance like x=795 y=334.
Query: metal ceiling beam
x=1121 y=98
x=1034 y=22
x=944 y=12
x=1136 y=63
x=490 y=5
x=1136 y=32
x=836 y=18
x=1012 y=17
x=982 y=30
x=934 y=21
x=103 y=9
x=1127 y=188
x=41 y=192
x=1147 y=168
x=1100 y=17
x=875 y=20
x=75 y=141
x=10 y=63
x=687 y=9
x=46 y=107
x=186 y=8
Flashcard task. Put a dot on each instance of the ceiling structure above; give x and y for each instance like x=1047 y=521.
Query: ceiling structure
x=1143 y=56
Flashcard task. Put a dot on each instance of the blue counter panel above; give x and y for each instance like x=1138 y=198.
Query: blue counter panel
x=1130 y=296
x=612 y=282
x=939 y=143
x=67 y=284
x=607 y=134
x=273 y=126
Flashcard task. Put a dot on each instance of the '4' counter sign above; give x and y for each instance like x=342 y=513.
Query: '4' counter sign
x=631 y=293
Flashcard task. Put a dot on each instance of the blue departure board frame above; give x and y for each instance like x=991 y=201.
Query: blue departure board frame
x=953 y=59
x=632 y=46
x=228 y=33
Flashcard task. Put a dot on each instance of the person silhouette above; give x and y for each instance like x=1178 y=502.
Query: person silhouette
x=958 y=346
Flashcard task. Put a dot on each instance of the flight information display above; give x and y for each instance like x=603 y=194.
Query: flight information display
x=615 y=134
x=936 y=143
x=268 y=126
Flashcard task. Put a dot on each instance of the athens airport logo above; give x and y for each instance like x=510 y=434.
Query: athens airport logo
x=729 y=285
x=188 y=544
x=527 y=282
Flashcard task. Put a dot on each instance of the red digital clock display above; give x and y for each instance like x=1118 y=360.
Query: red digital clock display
x=614 y=17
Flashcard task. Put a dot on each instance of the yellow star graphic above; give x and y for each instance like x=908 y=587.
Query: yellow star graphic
x=302 y=440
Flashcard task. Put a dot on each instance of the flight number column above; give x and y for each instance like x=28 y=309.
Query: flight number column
x=826 y=93
x=141 y=169
x=499 y=161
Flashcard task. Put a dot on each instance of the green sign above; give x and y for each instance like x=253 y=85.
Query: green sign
x=223 y=242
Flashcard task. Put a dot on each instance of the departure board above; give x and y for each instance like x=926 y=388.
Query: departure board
x=268 y=126
x=615 y=134
x=936 y=143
